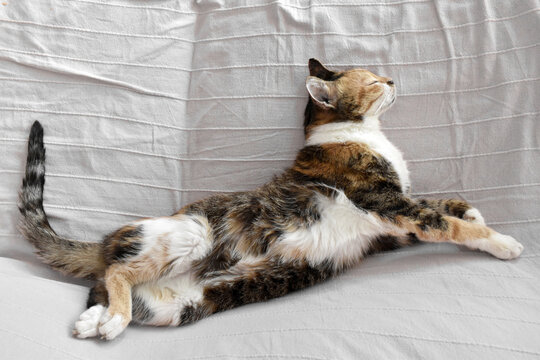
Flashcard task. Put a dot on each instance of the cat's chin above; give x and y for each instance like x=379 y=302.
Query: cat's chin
x=390 y=101
x=393 y=101
x=385 y=107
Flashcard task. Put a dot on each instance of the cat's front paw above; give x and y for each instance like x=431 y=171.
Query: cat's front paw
x=112 y=325
x=88 y=323
x=473 y=215
x=503 y=246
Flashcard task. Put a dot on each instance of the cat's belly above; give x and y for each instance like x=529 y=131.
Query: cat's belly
x=169 y=246
x=161 y=302
x=342 y=235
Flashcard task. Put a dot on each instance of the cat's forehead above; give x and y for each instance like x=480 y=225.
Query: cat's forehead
x=358 y=75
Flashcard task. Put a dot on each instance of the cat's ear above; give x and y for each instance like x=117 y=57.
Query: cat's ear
x=317 y=69
x=324 y=93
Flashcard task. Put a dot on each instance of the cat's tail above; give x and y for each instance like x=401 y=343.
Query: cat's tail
x=75 y=258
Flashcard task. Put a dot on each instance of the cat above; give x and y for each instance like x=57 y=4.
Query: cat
x=345 y=196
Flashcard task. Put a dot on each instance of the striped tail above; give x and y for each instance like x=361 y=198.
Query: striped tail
x=75 y=258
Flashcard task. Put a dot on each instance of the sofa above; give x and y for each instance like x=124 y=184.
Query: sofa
x=150 y=105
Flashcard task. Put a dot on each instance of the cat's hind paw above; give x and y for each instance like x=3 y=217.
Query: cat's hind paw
x=87 y=325
x=110 y=326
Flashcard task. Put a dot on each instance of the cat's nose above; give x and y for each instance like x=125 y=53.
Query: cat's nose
x=390 y=82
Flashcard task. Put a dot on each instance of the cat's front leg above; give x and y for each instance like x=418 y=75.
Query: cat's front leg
x=474 y=216
x=431 y=226
x=454 y=207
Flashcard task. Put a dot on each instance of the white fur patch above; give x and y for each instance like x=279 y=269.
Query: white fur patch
x=473 y=215
x=110 y=326
x=88 y=323
x=186 y=237
x=342 y=234
x=368 y=133
x=167 y=297
x=501 y=246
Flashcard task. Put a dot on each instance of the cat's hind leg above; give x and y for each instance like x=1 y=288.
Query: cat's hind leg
x=152 y=303
x=254 y=280
x=145 y=251
x=186 y=299
x=88 y=323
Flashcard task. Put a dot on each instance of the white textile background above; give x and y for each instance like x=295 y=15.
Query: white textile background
x=149 y=105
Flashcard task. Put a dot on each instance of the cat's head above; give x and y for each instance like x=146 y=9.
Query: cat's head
x=350 y=95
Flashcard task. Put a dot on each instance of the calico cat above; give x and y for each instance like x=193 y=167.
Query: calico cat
x=344 y=197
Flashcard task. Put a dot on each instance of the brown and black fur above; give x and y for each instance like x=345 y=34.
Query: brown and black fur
x=71 y=257
x=252 y=223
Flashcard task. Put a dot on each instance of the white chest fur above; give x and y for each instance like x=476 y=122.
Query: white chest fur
x=367 y=132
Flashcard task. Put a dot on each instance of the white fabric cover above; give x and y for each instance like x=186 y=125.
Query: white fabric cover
x=149 y=105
